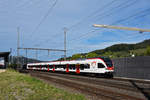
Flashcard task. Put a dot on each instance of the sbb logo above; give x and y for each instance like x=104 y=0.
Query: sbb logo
x=93 y=64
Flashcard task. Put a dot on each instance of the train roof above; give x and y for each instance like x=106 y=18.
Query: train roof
x=103 y=58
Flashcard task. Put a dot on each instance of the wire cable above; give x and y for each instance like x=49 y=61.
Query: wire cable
x=45 y=16
x=108 y=14
x=113 y=23
x=101 y=8
x=124 y=19
x=121 y=6
x=134 y=15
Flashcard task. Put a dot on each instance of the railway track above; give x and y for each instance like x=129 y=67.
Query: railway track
x=99 y=88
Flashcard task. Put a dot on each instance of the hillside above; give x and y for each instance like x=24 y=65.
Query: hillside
x=124 y=47
x=118 y=50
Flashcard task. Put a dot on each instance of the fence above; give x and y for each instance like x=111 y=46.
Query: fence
x=133 y=67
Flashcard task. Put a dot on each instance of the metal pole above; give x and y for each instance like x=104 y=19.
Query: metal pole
x=26 y=56
x=10 y=57
x=18 y=43
x=65 y=30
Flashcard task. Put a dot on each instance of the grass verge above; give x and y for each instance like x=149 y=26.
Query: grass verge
x=17 y=86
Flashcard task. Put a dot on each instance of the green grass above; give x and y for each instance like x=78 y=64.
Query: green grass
x=17 y=86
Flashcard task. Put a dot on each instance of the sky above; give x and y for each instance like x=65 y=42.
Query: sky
x=41 y=25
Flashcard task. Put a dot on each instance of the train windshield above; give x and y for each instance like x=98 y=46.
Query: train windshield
x=108 y=62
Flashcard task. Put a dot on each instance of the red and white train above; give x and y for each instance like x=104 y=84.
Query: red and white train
x=92 y=65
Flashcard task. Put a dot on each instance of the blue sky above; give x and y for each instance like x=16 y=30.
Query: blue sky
x=76 y=15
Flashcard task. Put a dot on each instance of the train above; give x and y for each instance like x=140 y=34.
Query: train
x=97 y=66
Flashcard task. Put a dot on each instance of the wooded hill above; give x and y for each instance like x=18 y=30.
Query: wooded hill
x=119 y=50
x=124 y=47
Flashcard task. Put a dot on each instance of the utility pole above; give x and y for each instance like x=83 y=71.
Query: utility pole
x=10 y=57
x=18 y=45
x=65 y=31
x=26 y=56
x=122 y=28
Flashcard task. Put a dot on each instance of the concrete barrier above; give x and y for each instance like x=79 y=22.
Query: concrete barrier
x=132 y=67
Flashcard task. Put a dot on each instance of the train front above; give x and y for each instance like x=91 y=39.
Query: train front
x=109 y=69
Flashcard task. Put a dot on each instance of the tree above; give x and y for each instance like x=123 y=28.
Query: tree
x=76 y=56
x=108 y=54
x=90 y=55
x=147 y=52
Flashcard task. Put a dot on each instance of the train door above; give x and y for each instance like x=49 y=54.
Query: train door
x=53 y=68
x=48 y=67
x=67 y=68
x=78 y=68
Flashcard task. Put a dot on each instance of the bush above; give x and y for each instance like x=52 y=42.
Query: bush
x=147 y=52
x=12 y=66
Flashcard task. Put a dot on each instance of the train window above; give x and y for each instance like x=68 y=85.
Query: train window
x=60 y=66
x=63 y=66
x=56 y=66
x=29 y=66
x=86 y=66
x=100 y=65
x=50 y=66
x=82 y=66
x=43 y=66
x=37 y=66
x=47 y=66
x=72 y=66
x=108 y=62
